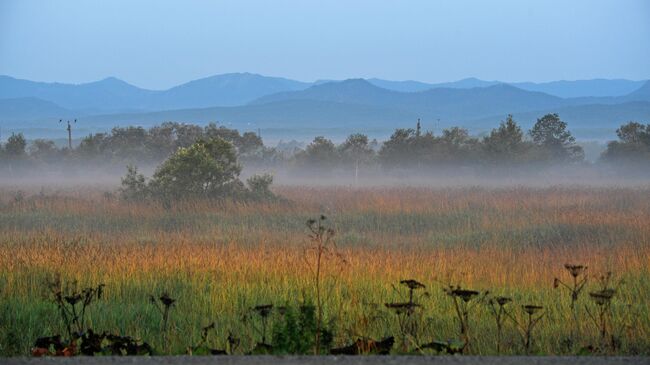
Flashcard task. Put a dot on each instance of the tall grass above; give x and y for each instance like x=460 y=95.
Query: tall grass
x=219 y=260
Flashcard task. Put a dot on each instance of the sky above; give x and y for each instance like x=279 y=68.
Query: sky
x=159 y=44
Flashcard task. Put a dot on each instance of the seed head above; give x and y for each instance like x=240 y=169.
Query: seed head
x=464 y=294
x=263 y=310
x=575 y=270
x=73 y=299
x=166 y=300
x=602 y=297
x=412 y=284
x=402 y=307
x=532 y=309
x=503 y=301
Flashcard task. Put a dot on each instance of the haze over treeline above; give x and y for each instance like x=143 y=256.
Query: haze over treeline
x=508 y=150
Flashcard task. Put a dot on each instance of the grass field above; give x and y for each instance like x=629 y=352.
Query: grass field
x=219 y=260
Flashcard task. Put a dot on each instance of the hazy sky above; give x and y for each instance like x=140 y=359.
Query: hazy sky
x=157 y=44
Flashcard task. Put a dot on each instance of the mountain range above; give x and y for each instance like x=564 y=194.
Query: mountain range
x=249 y=101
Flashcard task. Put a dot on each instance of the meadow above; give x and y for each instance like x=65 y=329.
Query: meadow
x=219 y=260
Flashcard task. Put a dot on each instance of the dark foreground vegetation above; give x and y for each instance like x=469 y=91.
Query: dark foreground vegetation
x=548 y=143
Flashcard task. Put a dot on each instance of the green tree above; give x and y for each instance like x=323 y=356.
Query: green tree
x=161 y=141
x=506 y=144
x=633 y=144
x=134 y=185
x=128 y=144
x=399 y=149
x=357 y=147
x=15 y=147
x=44 y=150
x=260 y=186
x=206 y=169
x=249 y=143
x=187 y=134
x=634 y=133
x=456 y=145
x=93 y=145
x=319 y=154
x=356 y=151
x=551 y=135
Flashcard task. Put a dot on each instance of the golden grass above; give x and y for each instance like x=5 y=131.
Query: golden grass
x=225 y=256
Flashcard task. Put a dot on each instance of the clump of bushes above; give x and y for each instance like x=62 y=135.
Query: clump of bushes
x=207 y=169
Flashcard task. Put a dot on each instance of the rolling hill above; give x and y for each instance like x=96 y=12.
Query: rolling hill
x=113 y=95
x=31 y=108
x=443 y=103
x=348 y=105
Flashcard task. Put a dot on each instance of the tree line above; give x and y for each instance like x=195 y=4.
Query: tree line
x=548 y=142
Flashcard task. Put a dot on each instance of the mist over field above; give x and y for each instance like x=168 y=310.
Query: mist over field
x=455 y=181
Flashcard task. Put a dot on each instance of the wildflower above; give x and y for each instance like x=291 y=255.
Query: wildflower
x=412 y=284
x=603 y=297
x=503 y=300
x=464 y=294
x=166 y=300
x=575 y=270
x=532 y=309
x=263 y=310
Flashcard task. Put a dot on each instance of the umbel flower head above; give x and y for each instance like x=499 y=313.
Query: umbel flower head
x=166 y=300
x=402 y=307
x=465 y=294
x=412 y=284
x=575 y=270
x=501 y=301
x=263 y=310
x=603 y=297
x=532 y=309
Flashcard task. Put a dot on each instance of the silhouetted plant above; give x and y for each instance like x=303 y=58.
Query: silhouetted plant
x=202 y=347
x=405 y=312
x=498 y=308
x=322 y=246
x=579 y=280
x=465 y=301
x=451 y=347
x=366 y=346
x=164 y=307
x=603 y=318
x=126 y=345
x=533 y=314
x=72 y=304
x=264 y=311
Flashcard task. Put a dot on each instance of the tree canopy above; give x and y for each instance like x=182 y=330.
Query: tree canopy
x=207 y=169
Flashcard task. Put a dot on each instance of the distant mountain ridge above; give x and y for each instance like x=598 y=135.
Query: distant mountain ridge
x=114 y=95
x=30 y=108
x=439 y=102
x=255 y=101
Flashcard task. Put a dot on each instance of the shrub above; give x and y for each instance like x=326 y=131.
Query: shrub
x=204 y=170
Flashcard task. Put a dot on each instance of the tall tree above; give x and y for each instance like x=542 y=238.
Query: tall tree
x=15 y=147
x=320 y=153
x=44 y=150
x=633 y=144
x=356 y=151
x=506 y=143
x=551 y=135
